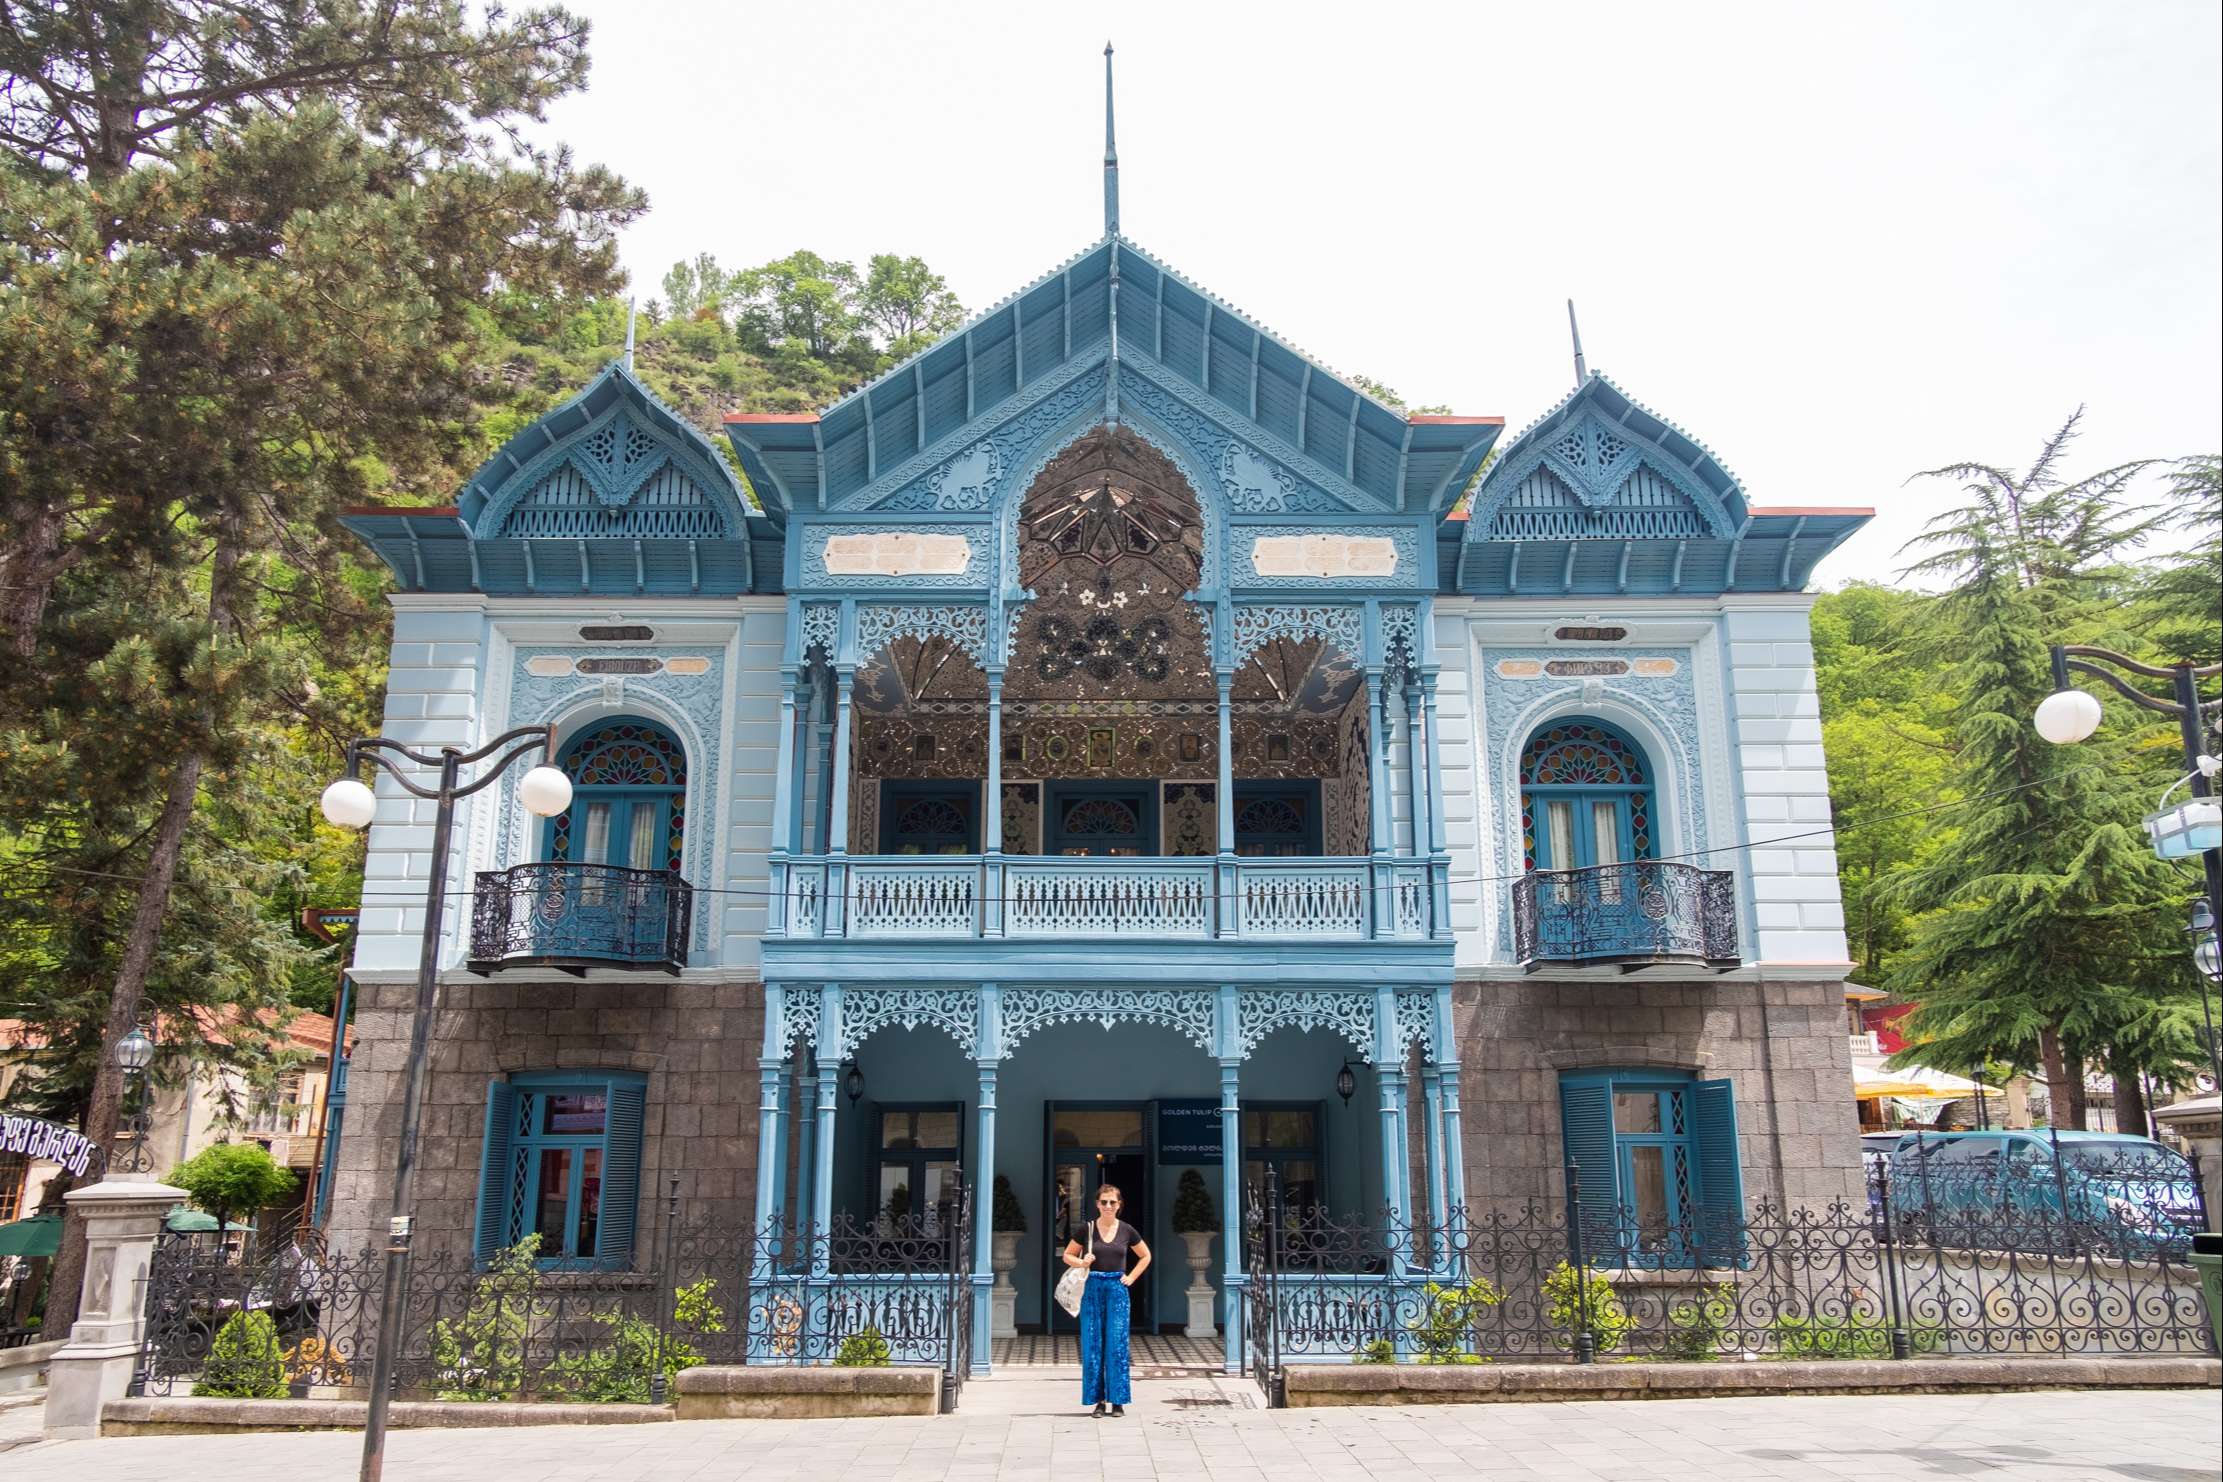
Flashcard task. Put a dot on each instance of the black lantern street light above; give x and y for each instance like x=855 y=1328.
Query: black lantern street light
x=348 y=803
x=2194 y=827
x=133 y=1054
x=852 y=1084
x=1345 y=1083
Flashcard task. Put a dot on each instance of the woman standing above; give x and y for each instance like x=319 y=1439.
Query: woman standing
x=1115 y=1257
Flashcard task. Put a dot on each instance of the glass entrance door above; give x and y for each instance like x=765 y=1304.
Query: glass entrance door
x=1091 y=1146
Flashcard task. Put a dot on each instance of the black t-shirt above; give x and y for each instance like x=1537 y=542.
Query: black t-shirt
x=1111 y=1255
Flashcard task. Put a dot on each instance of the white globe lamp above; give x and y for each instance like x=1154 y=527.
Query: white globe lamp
x=349 y=804
x=2066 y=717
x=545 y=791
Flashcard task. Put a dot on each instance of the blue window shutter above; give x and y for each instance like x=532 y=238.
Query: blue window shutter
x=1720 y=1170
x=621 y=1175
x=496 y=1182
x=1586 y=1121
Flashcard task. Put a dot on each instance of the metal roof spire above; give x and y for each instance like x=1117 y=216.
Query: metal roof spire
x=629 y=334
x=1582 y=371
x=1111 y=154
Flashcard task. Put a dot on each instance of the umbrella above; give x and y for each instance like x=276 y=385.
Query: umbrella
x=40 y=1235
x=183 y=1221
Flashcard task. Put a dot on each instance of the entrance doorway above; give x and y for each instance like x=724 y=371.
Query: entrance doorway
x=1092 y=1144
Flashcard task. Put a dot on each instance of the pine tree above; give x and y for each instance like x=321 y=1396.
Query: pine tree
x=2049 y=928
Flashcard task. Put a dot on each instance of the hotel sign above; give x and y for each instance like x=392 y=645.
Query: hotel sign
x=48 y=1142
x=1188 y=1132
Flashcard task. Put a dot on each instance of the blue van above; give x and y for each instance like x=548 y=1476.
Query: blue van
x=2109 y=1192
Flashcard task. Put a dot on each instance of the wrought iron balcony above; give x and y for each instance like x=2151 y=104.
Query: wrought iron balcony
x=1033 y=896
x=1630 y=915
x=575 y=916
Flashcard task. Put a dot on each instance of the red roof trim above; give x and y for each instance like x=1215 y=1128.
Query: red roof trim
x=1434 y=419
x=768 y=417
x=1757 y=511
x=400 y=509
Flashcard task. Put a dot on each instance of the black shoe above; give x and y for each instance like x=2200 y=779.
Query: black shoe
x=1119 y=1412
x=1099 y=1411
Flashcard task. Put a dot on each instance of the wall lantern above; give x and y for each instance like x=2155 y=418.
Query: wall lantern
x=1345 y=1083
x=853 y=1084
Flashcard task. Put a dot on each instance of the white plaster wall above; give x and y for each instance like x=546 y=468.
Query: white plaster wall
x=449 y=683
x=1755 y=763
x=1790 y=866
x=436 y=675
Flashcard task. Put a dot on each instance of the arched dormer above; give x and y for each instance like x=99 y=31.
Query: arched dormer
x=610 y=493
x=1601 y=495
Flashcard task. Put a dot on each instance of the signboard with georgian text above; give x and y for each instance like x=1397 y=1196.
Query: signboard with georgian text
x=49 y=1142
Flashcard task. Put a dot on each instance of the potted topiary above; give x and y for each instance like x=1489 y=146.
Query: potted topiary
x=1007 y=1222
x=1195 y=1223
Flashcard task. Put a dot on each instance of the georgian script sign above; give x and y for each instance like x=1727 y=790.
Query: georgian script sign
x=47 y=1141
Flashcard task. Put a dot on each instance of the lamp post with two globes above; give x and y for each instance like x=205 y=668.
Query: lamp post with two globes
x=2070 y=715
x=348 y=803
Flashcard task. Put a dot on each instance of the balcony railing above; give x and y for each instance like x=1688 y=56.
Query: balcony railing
x=968 y=896
x=575 y=916
x=1626 y=914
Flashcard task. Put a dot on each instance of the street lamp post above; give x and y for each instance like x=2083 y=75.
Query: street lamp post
x=133 y=1054
x=348 y=803
x=2070 y=715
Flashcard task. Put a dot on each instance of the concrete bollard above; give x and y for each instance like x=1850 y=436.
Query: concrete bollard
x=122 y=1218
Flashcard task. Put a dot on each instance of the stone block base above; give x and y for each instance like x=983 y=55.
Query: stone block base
x=1483 y=1384
x=733 y=1392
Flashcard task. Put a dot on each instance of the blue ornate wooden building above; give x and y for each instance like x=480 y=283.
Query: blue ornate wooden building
x=1093 y=737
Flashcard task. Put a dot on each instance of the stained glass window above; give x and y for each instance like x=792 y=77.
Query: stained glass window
x=1585 y=763
x=628 y=768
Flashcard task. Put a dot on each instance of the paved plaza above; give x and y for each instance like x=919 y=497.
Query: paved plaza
x=1210 y=1428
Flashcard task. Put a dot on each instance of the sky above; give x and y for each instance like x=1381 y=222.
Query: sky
x=1837 y=243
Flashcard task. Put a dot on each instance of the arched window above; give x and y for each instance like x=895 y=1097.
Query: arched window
x=629 y=805
x=1586 y=798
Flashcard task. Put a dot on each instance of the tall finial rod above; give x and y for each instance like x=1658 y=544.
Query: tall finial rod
x=1111 y=154
x=1582 y=371
x=629 y=312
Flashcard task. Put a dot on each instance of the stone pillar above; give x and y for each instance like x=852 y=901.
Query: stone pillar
x=807 y=1072
x=822 y=1170
x=122 y=1217
x=995 y=1307
x=1231 y=1213
x=1439 y=868
x=991 y=823
x=1431 y=1083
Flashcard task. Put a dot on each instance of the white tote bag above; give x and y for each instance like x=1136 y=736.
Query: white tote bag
x=1075 y=1280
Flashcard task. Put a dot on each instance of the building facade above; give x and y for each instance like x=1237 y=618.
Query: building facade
x=1107 y=744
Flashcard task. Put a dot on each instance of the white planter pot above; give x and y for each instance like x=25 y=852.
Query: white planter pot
x=1003 y=1297
x=1200 y=1293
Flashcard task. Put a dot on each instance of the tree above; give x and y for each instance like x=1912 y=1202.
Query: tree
x=228 y=1178
x=907 y=303
x=247 y=249
x=1393 y=401
x=698 y=287
x=802 y=303
x=2047 y=930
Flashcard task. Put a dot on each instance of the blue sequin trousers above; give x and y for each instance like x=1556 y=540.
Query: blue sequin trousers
x=1105 y=1308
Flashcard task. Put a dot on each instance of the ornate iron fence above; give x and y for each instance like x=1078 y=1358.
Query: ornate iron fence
x=579 y=914
x=294 y=1318
x=1648 y=911
x=1958 y=1269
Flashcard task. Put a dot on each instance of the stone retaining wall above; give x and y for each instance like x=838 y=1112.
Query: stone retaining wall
x=1481 y=1384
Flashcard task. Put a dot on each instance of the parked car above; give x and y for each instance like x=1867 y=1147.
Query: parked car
x=2109 y=1192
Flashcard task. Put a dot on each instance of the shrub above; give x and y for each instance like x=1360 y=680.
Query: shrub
x=621 y=1368
x=864 y=1349
x=480 y=1356
x=1609 y=1321
x=244 y=1362
x=1447 y=1318
x=229 y=1178
x=1009 y=1216
x=1695 y=1329
x=1846 y=1337
x=1192 y=1206
x=1375 y=1351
